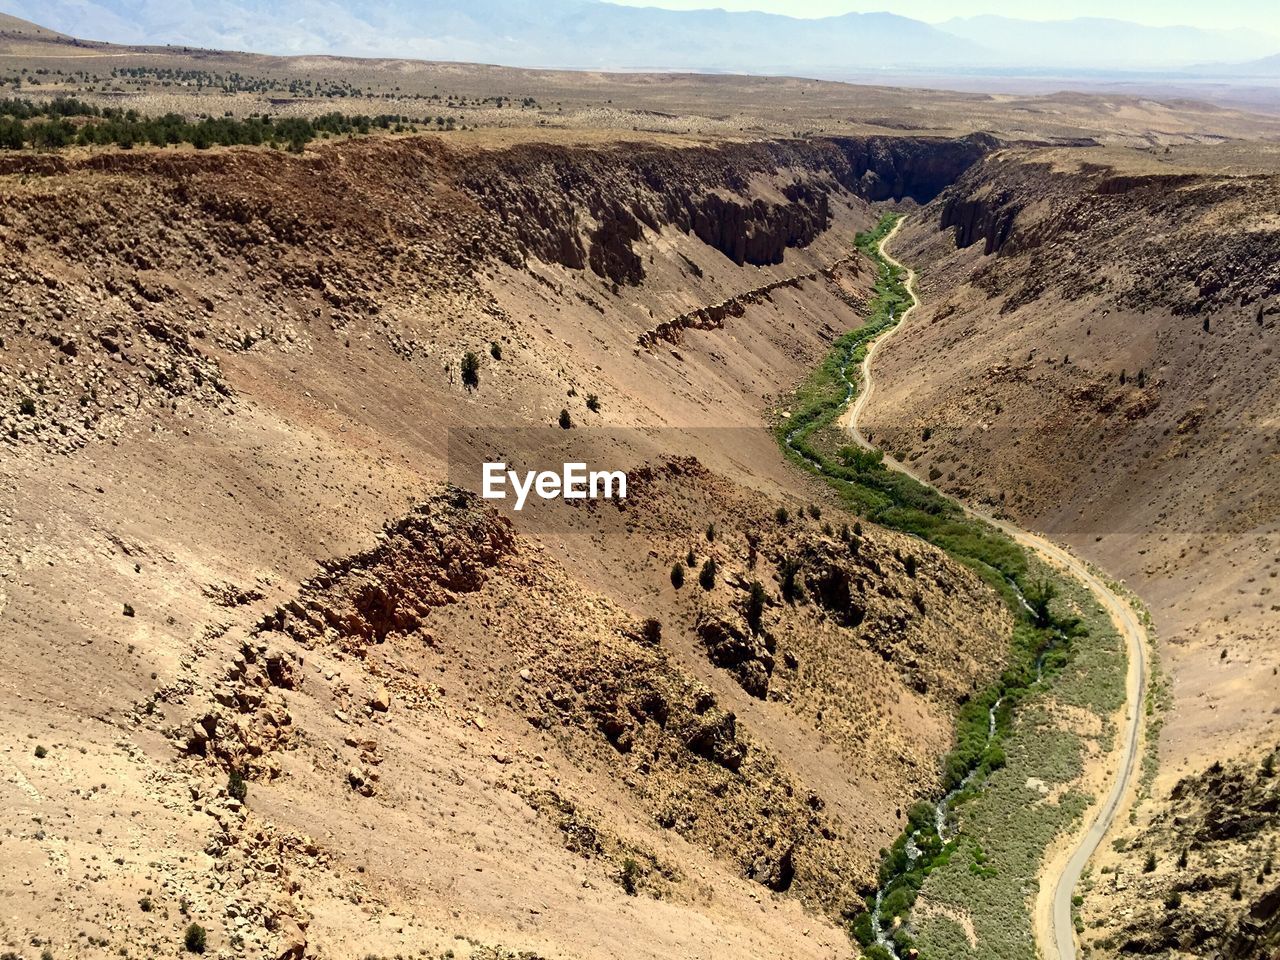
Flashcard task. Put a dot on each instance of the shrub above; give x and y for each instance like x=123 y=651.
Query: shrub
x=470 y=370
x=711 y=532
x=630 y=878
x=27 y=407
x=195 y=938
x=41 y=753
x=1149 y=864
x=755 y=606
x=815 y=511
x=236 y=785
x=1173 y=901
x=781 y=515
x=910 y=564
x=128 y=609
x=651 y=631
x=565 y=420
x=789 y=570
x=677 y=574
x=593 y=403
x=495 y=350
x=707 y=576
x=145 y=905
x=690 y=558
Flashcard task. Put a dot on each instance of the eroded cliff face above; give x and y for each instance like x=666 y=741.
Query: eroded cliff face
x=583 y=209
x=1160 y=228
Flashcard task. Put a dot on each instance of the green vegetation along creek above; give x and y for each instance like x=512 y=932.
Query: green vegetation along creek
x=960 y=880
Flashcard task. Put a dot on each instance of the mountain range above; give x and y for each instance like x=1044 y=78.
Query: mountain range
x=591 y=34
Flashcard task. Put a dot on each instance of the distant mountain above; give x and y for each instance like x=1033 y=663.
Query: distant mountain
x=597 y=35
x=557 y=33
x=1264 y=68
x=1098 y=43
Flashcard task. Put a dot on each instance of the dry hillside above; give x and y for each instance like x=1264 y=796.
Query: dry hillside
x=228 y=385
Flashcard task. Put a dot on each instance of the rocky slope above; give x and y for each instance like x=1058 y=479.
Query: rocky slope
x=1207 y=884
x=224 y=373
x=276 y=249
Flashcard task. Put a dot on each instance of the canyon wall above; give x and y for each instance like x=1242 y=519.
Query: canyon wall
x=231 y=545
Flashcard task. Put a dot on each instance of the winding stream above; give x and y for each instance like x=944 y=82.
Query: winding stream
x=942 y=821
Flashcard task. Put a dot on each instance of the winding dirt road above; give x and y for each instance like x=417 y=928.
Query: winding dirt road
x=1054 y=930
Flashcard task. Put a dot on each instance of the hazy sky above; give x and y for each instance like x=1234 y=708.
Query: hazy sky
x=1252 y=14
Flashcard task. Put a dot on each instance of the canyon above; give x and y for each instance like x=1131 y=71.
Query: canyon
x=275 y=669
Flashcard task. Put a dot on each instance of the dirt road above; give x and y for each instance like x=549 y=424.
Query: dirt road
x=1055 y=934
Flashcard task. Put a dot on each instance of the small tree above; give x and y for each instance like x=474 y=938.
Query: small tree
x=677 y=575
x=711 y=532
x=593 y=403
x=707 y=576
x=1039 y=595
x=565 y=420
x=910 y=564
x=690 y=559
x=470 y=370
